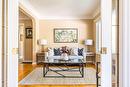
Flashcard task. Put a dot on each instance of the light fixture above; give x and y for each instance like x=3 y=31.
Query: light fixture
x=88 y=42
x=42 y=42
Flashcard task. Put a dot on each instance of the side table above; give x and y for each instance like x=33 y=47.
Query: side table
x=40 y=57
x=90 y=57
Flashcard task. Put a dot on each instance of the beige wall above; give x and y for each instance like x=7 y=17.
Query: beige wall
x=28 y=43
x=85 y=31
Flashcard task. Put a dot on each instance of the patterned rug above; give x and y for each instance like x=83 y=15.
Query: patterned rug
x=36 y=77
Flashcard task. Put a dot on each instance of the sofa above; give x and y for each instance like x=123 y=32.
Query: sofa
x=73 y=53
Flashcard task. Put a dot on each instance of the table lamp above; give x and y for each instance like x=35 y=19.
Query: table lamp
x=43 y=42
x=89 y=42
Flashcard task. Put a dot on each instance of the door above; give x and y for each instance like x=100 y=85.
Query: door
x=12 y=43
x=106 y=52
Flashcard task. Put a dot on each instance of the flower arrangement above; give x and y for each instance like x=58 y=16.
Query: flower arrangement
x=65 y=52
x=65 y=49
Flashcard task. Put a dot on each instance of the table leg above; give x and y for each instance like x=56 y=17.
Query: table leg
x=44 y=70
x=82 y=70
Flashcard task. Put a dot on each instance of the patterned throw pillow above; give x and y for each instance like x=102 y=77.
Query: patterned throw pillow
x=74 y=51
x=50 y=52
x=57 y=51
x=80 y=51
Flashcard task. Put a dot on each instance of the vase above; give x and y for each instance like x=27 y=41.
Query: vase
x=65 y=56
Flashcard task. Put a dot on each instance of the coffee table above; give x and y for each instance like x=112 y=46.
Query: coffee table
x=64 y=65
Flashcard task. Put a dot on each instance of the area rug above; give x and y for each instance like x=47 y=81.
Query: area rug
x=36 y=77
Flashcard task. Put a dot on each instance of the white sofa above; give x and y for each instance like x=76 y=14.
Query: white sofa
x=73 y=57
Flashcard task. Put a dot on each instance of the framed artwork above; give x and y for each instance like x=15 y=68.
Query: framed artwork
x=65 y=35
x=29 y=33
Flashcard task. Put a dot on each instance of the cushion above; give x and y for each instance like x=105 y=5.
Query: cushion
x=65 y=49
x=57 y=51
x=74 y=51
x=50 y=52
x=80 y=51
x=70 y=57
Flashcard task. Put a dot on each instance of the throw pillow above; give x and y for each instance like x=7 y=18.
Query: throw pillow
x=80 y=51
x=50 y=52
x=65 y=49
x=74 y=51
x=57 y=51
x=64 y=56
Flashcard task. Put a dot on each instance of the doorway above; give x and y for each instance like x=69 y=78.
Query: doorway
x=25 y=38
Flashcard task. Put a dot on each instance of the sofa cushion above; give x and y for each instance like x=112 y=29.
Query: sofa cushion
x=80 y=51
x=70 y=57
x=57 y=51
x=76 y=57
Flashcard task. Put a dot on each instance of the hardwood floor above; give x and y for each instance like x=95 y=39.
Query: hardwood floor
x=25 y=69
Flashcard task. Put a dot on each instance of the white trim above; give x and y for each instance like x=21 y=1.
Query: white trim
x=0 y=43
x=120 y=44
x=27 y=12
x=97 y=19
x=34 y=63
x=97 y=11
x=124 y=43
x=28 y=7
x=65 y=18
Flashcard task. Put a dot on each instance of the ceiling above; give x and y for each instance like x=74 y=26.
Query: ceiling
x=63 y=9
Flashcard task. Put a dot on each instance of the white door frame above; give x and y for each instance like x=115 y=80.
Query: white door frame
x=35 y=23
x=21 y=36
x=124 y=49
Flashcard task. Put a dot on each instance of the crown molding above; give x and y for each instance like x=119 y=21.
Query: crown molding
x=96 y=12
x=65 y=18
x=29 y=12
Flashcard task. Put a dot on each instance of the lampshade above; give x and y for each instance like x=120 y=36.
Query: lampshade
x=89 y=42
x=42 y=42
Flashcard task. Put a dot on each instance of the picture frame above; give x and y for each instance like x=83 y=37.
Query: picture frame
x=29 y=33
x=65 y=35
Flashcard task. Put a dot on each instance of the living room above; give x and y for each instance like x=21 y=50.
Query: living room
x=47 y=34
x=83 y=25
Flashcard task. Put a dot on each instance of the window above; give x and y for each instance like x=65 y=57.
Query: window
x=98 y=36
x=114 y=32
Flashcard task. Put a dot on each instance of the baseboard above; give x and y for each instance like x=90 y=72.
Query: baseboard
x=34 y=63
x=30 y=62
x=27 y=62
